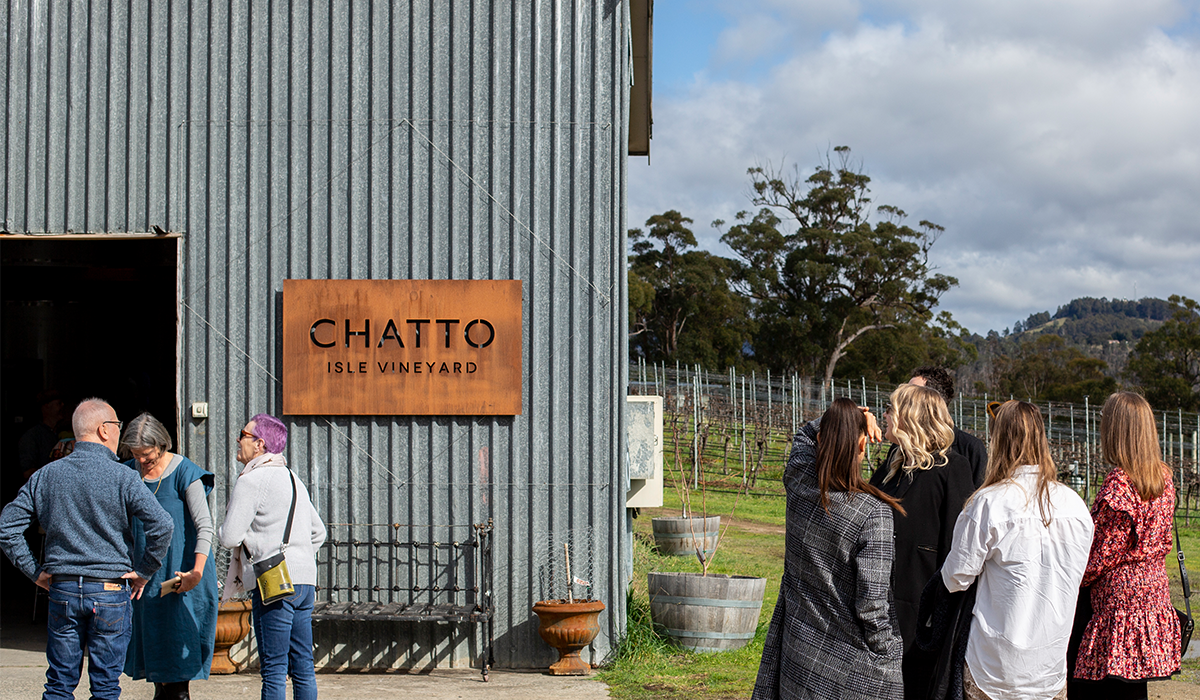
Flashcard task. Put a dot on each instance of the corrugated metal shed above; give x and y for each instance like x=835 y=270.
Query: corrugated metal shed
x=365 y=140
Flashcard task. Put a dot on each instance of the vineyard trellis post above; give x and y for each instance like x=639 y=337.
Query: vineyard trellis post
x=1179 y=484
x=769 y=406
x=987 y=422
x=1087 y=449
x=1162 y=443
x=743 y=426
x=695 y=387
x=793 y=379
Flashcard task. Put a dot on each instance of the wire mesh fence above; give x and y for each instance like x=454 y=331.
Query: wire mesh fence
x=734 y=430
x=566 y=564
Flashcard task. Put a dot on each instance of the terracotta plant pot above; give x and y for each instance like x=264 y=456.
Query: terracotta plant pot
x=233 y=624
x=568 y=627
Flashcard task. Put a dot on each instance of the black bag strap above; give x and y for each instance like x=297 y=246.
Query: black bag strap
x=1183 y=574
x=287 y=529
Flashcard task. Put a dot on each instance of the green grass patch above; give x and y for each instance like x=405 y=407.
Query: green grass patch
x=646 y=665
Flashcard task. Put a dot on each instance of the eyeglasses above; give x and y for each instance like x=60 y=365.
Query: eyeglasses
x=120 y=424
x=243 y=435
x=149 y=461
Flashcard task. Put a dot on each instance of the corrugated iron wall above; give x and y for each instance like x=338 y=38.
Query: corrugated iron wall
x=365 y=140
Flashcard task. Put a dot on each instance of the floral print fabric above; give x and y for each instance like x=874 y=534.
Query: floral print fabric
x=1134 y=633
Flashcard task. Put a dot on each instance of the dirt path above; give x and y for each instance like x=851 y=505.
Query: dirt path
x=1173 y=690
x=751 y=526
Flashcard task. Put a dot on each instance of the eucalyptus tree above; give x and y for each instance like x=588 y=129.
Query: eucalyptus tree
x=1166 y=361
x=829 y=275
x=680 y=304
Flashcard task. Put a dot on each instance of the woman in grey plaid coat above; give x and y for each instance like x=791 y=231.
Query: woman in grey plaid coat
x=833 y=634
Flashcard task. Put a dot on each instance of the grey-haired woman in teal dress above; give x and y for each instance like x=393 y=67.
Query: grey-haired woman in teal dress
x=173 y=634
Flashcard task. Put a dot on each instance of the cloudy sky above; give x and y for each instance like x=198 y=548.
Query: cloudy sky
x=1057 y=141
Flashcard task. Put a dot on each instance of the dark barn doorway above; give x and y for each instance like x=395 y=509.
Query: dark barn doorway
x=87 y=316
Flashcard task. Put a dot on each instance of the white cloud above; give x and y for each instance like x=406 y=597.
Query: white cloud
x=1055 y=25
x=1063 y=159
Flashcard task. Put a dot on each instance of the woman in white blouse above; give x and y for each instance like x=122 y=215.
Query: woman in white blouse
x=1026 y=537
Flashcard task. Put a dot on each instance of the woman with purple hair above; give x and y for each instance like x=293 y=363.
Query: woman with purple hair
x=253 y=530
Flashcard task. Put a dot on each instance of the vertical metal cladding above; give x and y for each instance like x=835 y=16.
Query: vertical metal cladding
x=365 y=140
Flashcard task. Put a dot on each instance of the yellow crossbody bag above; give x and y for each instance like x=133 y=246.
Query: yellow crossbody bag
x=271 y=574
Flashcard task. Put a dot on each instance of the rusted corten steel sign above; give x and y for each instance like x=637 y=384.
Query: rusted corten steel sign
x=402 y=347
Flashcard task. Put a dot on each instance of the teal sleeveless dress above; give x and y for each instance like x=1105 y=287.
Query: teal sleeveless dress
x=173 y=635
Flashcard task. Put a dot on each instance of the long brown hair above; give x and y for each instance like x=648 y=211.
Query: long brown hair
x=922 y=428
x=838 y=468
x=1129 y=441
x=1019 y=438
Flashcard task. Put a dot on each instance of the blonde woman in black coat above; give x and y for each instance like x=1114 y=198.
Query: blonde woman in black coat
x=933 y=482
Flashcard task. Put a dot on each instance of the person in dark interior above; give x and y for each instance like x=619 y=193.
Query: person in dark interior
x=37 y=442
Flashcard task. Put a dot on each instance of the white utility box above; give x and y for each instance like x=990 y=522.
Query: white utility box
x=644 y=421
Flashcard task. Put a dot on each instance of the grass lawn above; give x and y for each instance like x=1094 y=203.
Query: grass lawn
x=647 y=666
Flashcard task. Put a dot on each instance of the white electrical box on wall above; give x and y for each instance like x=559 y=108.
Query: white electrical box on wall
x=644 y=423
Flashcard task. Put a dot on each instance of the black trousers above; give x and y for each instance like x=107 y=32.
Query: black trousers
x=1111 y=688
x=918 y=667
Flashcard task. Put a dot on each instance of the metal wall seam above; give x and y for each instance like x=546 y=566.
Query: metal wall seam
x=459 y=140
x=5 y=95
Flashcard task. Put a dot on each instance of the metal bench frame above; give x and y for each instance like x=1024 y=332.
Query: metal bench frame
x=468 y=562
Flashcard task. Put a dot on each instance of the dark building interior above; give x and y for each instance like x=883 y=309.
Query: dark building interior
x=82 y=317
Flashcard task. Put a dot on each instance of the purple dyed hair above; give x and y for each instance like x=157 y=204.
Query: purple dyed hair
x=271 y=431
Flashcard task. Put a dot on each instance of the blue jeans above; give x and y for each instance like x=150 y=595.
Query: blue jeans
x=283 y=630
x=86 y=616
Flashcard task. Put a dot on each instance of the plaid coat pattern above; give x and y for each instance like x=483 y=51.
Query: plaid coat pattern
x=833 y=633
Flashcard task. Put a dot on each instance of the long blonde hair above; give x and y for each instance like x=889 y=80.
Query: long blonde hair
x=1129 y=441
x=922 y=428
x=1018 y=439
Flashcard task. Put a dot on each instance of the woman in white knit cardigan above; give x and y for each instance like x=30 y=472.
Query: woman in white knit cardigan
x=254 y=522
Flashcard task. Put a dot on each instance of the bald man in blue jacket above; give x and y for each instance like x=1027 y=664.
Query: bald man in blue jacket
x=86 y=502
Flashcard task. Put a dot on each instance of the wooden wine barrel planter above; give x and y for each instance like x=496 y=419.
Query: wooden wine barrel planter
x=717 y=612
x=681 y=537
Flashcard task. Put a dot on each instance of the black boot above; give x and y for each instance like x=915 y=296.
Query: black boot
x=158 y=691
x=176 y=691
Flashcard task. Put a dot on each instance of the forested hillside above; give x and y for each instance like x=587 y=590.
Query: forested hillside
x=1091 y=347
x=1091 y=321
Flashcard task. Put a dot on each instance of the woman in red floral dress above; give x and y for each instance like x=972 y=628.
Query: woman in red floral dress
x=1134 y=633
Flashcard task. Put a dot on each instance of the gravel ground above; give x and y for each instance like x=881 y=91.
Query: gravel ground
x=1173 y=690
